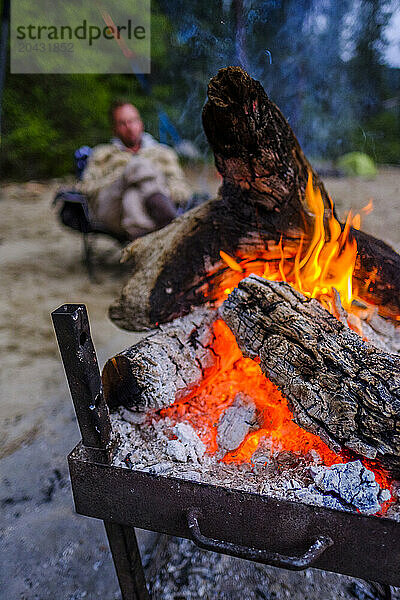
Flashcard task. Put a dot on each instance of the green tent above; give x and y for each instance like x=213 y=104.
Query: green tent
x=357 y=163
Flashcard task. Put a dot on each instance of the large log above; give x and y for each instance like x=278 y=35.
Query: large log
x=164 y=367
x=339 y=387
x=262 y=199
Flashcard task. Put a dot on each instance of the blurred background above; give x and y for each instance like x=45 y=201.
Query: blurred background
x=332 y=67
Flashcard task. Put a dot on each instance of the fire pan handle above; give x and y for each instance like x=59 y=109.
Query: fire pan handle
x=294 y=563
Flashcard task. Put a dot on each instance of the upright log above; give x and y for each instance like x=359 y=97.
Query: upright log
x=261 y=200
x=338 y=386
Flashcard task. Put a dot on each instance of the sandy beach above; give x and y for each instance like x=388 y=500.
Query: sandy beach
x=41 y=268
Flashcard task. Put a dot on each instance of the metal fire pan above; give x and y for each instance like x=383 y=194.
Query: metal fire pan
x=282 y=533
x=253 y=526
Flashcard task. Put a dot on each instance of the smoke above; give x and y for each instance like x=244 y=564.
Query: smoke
x=314 y=58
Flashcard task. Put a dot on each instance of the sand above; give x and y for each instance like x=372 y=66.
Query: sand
x=41 y=269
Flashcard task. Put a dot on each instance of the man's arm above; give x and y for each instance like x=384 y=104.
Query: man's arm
x=105 y=165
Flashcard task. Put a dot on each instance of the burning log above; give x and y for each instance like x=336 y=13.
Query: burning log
x=340 y=388
x=163 y=367
x=262 y=201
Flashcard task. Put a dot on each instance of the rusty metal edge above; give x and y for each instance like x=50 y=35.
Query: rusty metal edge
x=363 y=546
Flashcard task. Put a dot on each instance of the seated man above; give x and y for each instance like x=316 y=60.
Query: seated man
x=134 y=184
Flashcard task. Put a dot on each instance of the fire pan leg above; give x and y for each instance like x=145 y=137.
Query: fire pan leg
x=127 y=561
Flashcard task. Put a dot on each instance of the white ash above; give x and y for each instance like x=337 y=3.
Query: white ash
x=353 y=483
x=177 y=451
x=283 y=475
x=314 y=456
x=236 y=422
x=188 y=446
x=349 y=486
x=136 y=418
x=262 y=456
x=384 y=330
x=312 y=495
x=382 y=333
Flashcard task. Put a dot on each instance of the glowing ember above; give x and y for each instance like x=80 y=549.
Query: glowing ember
x=233 y=374
x=325 y=265
x=203 y=407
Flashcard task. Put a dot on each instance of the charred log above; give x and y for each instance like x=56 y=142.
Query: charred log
x=339 y=387
x=261 y=200
x=163 y=367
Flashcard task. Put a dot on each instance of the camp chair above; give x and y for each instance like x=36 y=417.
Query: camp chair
x=74 y=213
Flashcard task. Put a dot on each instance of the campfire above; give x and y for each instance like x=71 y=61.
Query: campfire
x=323 y=270
x=274 y=360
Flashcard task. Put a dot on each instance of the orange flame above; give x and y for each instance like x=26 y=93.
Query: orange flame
x=203 y=407
x=327 y=263
x=369 y=207
x=231 y=262
x=316 y=268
